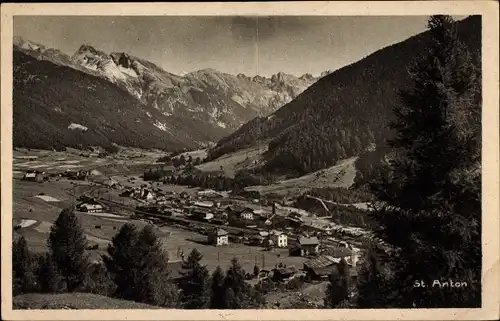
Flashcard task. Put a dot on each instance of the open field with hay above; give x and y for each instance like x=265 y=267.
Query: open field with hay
x=99 y=228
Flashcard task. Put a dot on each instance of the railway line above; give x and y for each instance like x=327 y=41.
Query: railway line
x=180 y=220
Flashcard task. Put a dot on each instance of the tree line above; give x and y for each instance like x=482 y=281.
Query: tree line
x=220 y=182
x=134 y=268
x=428 y=190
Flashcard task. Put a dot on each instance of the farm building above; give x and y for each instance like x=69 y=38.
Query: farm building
x=261 y=213
x=204 y=204
x=280 y=274
x=295 y=217
x=305 y=246
x=247 y=214
x=209 y=193
x=259 y=238
x=279 y=239
x=202 y=215
x=90 y=207
x=95 y=172
x=104 y=180
x=33 y=176
x=147 y=195
x=323 y=266
x=218 y=237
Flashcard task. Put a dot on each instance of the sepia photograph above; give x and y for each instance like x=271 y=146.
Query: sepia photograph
x=249 y=161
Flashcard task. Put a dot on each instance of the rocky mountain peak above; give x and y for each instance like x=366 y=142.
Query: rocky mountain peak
x=87 y=48
x=306 y=77
x=325 y=73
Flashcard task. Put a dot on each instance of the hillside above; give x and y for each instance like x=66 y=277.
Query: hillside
x=341 y=115
x=37 y=301
x=199 y=108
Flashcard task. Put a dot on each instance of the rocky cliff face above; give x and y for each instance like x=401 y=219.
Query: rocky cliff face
x=225 y=101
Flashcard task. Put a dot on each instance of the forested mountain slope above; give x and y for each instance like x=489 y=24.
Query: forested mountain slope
x=343 y=113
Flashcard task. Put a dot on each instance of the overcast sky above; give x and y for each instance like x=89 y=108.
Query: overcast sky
x=249 y=45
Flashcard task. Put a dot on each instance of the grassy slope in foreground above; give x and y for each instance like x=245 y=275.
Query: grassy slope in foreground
x=36 y=301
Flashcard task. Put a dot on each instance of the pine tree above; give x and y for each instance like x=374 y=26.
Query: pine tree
x=371 y=281
x=120 y=261
x=217 y=300
x=151 y=269
x=49 y=277
x=98 y=280
x=67 y=247
x=339 y=287
x=239 y=295
x=195 y=286
x=256 y=270
x=23 y=274
x=430 y=209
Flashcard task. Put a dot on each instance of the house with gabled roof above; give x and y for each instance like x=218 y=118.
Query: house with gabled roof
x=218 y=237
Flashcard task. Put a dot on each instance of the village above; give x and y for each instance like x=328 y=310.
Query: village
x=276 y=242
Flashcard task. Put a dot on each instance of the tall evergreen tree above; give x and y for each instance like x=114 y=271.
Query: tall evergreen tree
x=151 y=267
x=195 y=283
x=23 y=275
x=98 y=280
x=239 y=294
x=372 y=280
x=339 y=287
x=120 y=261
x=48 y=275
x=67 y=247
x=430 y=209
x=217 y=300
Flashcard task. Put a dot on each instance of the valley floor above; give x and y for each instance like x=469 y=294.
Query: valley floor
x=37 y=205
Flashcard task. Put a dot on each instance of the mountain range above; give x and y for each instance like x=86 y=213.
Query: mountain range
x=344 y=114
x=93 y=98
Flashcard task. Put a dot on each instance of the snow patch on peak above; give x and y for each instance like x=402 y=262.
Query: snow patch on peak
x=221 y=124
x=161 y=126
x=74 y=126
x=129 y=72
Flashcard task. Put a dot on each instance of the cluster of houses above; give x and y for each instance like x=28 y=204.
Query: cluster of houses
x=317 y=268
x=220 y=237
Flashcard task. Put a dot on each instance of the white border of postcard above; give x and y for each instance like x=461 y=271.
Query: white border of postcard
x=490 y=196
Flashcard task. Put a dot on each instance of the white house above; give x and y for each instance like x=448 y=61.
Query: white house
x=247 y=214
x=147 y=195
x=218 y=237
x=280 y=239
x=90 y=208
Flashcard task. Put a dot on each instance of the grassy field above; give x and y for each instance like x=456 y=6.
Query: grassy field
x=340 y=175
x=100 y=229
x=127 y=160
x=36 y=301
x=26 y=205
x=231 y=163
x=213 y=256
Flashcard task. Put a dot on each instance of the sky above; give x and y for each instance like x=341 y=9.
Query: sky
x=233 y=44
